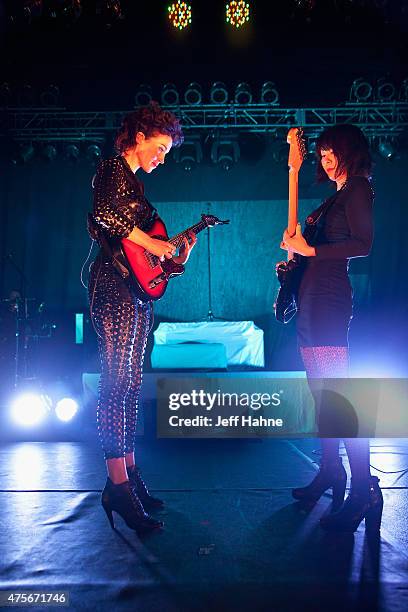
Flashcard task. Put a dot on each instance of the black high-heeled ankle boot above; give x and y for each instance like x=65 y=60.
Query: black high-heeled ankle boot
x=141 y=489
x=362 y=502
x=123 y=499
x=330 y=475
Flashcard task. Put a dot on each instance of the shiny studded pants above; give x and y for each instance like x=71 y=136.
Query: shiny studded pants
x=122 y=323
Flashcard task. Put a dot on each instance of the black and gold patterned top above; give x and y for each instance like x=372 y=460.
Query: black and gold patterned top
x=119 y=200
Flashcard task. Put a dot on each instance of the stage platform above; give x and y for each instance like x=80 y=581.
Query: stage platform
x=233 y=538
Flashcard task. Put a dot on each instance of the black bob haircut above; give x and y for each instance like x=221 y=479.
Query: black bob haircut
x=351 y=148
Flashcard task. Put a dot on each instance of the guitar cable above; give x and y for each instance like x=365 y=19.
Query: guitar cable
x=87 y=285
x=84 y=264
x=94 y=289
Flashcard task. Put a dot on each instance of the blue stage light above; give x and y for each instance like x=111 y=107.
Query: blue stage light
x=30 y=409
x=66 y=409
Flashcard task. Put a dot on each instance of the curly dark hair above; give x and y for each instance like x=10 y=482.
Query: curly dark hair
x=351 y=148
x=150 y=120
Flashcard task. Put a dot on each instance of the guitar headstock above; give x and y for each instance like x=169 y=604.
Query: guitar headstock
x=211 y=220
x=297 y=148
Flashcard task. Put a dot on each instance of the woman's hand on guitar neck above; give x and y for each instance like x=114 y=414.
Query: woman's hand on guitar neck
x=185 y=249
x=297 y=243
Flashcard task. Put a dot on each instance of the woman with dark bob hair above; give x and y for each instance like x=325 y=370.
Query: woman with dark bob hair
x=344 y=225
x=122 y=321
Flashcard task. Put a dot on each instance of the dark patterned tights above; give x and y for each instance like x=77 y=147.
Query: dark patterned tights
x=333 y=362
x=122 y=323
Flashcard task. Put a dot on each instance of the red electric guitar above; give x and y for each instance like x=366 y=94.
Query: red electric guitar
x=150 y=275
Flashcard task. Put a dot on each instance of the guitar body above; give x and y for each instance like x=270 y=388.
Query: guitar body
x=149 y=275
x=289 y=275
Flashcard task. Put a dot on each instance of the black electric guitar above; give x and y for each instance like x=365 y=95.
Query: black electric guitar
x=289 y=272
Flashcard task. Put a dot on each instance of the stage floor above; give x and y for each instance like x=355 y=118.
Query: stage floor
x=233 y=538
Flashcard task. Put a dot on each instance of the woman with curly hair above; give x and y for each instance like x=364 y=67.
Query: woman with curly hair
x=122 y=321
x=345 y=230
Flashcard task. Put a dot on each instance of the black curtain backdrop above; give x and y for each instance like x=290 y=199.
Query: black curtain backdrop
x=43 y=232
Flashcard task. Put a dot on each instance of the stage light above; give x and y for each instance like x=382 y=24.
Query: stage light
x=66 y=409
x=361 y=90
x=66 y=12
x=143 y=95
x=71 y=10
x=403 y=94
x=5 y=95
x=109 y=10
x=49 y=152
x=24 y=12
x=218 y=93
x=179 y=14
x=386 y=149
x=190 y=153
x=243 y=94
x=306 y=5
x=30 y=409
x=237 y=13
x=193 y=94
x=269 y=93
x=385 y=90
x=26 y=96
x=33 y=8
x=311 y=150
x=71 y=152
x=311 y=147
x=79 y=328
x=93 y=153
x=225 y=152
x=50 y=96
x=280 y=155
x=25 y=153
x=169 y=95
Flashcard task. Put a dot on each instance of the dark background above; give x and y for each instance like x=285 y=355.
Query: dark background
x=312 y=55
x=312 y=51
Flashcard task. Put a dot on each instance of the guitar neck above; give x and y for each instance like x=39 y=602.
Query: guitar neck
x=293 y=201
x=293 y=204
x=177 y=240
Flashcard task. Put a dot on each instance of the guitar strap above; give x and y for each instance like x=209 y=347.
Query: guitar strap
x=312 y=221
x=109 y=251
x=316 y=215
x=110 y=248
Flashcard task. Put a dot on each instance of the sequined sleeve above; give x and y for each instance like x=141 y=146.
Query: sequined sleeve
x=107 y=185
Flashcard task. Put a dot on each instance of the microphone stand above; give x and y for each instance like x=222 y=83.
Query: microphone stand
x=20 y=329
x=210 y=315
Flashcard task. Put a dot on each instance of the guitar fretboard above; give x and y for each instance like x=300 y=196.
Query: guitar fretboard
x=197 y=228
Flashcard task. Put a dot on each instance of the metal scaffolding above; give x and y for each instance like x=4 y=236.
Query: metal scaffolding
x=378 y=120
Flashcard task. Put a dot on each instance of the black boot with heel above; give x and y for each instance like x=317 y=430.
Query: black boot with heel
x=330 y=475
x=122 y=499
x=365 y=501
x=141 y=489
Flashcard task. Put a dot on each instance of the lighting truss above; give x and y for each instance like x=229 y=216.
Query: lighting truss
x=39 y=125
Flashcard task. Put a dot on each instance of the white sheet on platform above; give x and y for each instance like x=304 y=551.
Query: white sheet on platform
x=243 y=340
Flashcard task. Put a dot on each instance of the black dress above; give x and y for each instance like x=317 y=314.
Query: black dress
x=121 y=320
x=325 y=293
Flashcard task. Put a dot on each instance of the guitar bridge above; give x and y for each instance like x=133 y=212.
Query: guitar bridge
x=158 y=280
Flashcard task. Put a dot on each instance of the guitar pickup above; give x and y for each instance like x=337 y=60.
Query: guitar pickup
x=158 y=280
